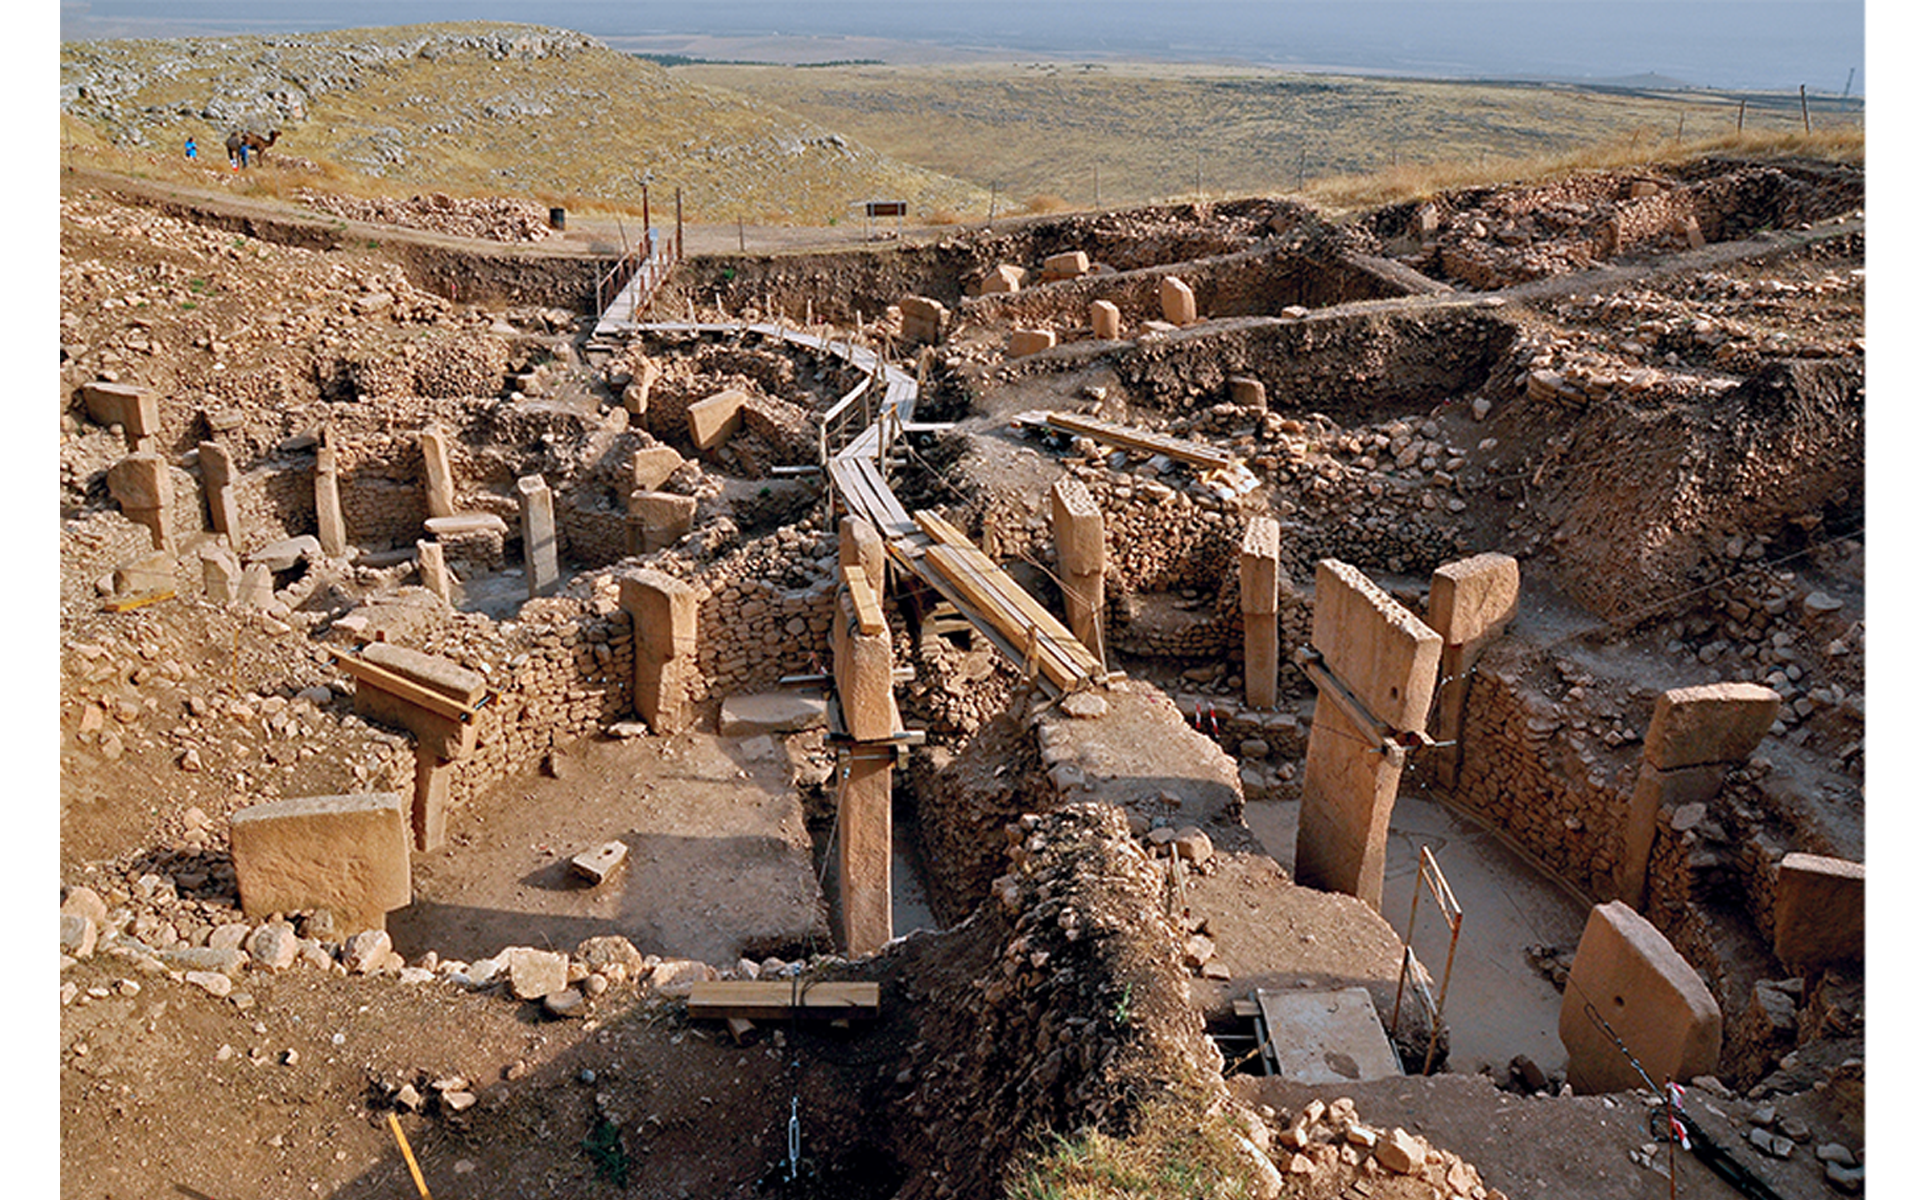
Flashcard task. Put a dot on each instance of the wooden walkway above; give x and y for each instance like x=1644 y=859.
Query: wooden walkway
x=857 y=438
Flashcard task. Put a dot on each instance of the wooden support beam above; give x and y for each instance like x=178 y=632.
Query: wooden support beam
x=783 y=999
x=866 y=606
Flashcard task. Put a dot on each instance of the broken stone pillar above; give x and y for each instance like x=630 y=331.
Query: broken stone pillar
x=1080 y=541
x=712 y=421
x=1819 y=912
x=256 y=586
x=220 y=574
x=143 y=487
x=439 y=471
x=326 y=502
x=639 y=390
x=923 y=320
x=863 y=688
x=666 y=616
x=1247 y=392
x=1696 y=733
x=1176 y=302
x=656 y=520
x=425 y=696
x=1654 y=1002
x=1105 y=316
x=1003 y=279
x=1469 y=604
x=1022 y=342
x=346 y=854
x=539 y=550
x=1260 y=610
x=151 y=573
x=652 y=466
x=216 y=477
x=136 y=410
x=1375 y=672
x=433 y=569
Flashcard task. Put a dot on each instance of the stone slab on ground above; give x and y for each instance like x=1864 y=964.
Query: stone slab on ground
x=771 y=712
x=1820 y=911
x=347 y=854
x=1326 y=1036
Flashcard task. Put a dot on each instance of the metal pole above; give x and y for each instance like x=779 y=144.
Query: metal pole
x=679 y=229
x=1740 y=122
x=646 y=219
x=1806 y=122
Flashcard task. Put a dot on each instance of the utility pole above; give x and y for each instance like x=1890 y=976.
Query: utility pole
x=1806 y=122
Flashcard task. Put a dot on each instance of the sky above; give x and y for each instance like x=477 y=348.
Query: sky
x=1730 y=44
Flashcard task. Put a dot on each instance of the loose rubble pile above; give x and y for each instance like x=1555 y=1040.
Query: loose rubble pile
x=495 y=218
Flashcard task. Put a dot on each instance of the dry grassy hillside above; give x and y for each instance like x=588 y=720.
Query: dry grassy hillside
x=478 y=108
x=1149 y=132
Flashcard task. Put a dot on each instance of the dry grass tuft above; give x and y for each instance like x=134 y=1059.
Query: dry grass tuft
x=1047 y=202
x=1182 y=1148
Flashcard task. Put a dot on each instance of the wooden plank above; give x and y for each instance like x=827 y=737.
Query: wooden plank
x=1012 y=596
x=783 y=999
x=128 y=603
x=1140 y=439
x=988 y=599
x=866 y=606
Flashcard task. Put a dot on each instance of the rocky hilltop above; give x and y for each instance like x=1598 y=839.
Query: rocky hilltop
x=480 y=107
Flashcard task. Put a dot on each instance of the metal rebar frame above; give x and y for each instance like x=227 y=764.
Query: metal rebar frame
x=1436 y=883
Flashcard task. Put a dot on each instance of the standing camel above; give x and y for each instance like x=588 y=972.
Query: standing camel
x=241 y=142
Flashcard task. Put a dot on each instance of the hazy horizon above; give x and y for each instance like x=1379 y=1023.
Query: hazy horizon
x=1724 y=44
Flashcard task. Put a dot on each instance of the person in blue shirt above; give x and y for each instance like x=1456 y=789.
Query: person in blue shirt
x=193 y=151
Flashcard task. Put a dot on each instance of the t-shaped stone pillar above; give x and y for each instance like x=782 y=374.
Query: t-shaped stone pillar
x=666 y=621
x=1176 y=301
x=326 y=501
x=538 y=548
x=438 y=470
x=863 y=686
x=1468 y=605
x=1375 y=671
x=1696 y=733
x=433 y=569
x=1080 y=539
x=135 y=409
x=1260 y=610
x=424 y=694
x=144 y=488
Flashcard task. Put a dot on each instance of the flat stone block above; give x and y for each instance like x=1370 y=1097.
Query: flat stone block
x=1247 y=392
x=134 y=409
x=347 y=854
x=283 y=554
x=454 y=525
x=598 y=863
x=771 y=712
x=151 y=573
x=712 y=421
x=922 y=319
x=1071 y=264
x=1023 y=342
x=1176 y=302
x=1474 y=598
x=443 y=675
x=1311 y=1031
x=141 y=481
x=653 y=466
x=664 y=518
x=1105 y=316
x=1713 y=723
x=1385 y=655
x=1644 y=990
x=1820 y=911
